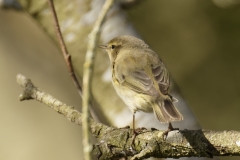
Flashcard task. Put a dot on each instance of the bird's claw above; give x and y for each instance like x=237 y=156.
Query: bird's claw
x=170 y=128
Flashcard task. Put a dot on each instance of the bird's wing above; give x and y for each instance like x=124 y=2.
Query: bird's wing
x=140 y=82
x=161 y=76
x=150 y=79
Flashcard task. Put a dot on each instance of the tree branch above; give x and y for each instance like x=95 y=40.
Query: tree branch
x=115 y=143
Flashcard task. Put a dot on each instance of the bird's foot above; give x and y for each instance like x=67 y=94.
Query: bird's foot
x=136 y=132
x=140 y=130
x=170 y=128
x=134 y=135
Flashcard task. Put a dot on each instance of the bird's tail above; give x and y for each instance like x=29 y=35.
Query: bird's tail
x=165 y=111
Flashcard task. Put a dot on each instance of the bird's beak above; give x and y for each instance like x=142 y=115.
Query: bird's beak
x=104 y=46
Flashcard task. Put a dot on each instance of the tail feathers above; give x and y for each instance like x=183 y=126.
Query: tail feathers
x=166 y=112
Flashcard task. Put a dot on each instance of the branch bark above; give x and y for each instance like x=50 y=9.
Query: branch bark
x=115 y=143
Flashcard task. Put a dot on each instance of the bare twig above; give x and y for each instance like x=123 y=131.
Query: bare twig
x=116 y=143
x=87 y=77
x=68 y=60
x=63 y=47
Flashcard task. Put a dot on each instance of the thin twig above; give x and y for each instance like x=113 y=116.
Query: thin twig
x=87 y=77
x=63 y=47
x=68 y=60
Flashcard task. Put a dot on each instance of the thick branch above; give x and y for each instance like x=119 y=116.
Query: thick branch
x=115 y=143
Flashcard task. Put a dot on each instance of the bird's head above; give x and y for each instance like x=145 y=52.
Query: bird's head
x=116 y=45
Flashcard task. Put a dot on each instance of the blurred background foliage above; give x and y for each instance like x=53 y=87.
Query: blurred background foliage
x=199 y=42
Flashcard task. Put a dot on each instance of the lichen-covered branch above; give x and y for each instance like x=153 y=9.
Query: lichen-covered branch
x=115 y=143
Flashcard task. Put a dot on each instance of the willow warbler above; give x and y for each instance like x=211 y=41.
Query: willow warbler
x=141 y=79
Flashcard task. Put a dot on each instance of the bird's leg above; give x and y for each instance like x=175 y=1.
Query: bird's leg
x=170 y=128
x=134 y=131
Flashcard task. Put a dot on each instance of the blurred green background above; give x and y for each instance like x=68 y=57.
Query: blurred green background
x=199 y=42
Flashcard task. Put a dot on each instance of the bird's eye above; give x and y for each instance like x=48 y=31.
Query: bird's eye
x=113 y=46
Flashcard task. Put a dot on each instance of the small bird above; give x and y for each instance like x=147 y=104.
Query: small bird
x=141 y=79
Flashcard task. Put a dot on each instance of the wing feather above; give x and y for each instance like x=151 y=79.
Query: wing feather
x=142 y=80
